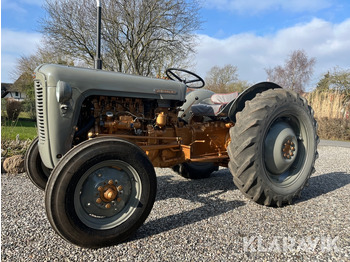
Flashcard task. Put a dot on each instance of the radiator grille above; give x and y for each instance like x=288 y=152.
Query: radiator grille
x=40 y=114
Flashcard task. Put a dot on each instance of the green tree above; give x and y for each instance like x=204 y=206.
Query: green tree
x=222 y=79
x=336 y=80
x=324 y=83
x=238 y=86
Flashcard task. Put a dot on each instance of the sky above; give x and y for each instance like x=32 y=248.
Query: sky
x=250 y=34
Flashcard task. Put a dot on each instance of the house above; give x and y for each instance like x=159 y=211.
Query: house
x=10 y=91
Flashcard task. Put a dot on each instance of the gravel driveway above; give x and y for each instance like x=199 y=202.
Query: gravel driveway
x=203 y=220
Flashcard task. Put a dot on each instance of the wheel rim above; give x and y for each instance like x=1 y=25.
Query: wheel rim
x=107 y=194
x=285 y=148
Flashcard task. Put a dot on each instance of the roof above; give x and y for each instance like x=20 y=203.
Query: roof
x=6 y=86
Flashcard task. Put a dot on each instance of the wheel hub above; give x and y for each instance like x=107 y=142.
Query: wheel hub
x=108 y=193
x=281 y=148
x=105 y=192
x=288 y=149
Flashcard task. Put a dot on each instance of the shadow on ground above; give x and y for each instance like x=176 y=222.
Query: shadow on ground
x=204 y=191
x=208 y=191
x=323 y=184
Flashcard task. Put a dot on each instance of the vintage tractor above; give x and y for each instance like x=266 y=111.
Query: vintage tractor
x=100 y=135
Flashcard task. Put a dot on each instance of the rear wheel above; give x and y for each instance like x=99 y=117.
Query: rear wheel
x=273 y=147
x=195 y=170
x=36 y=171
x=100 y=192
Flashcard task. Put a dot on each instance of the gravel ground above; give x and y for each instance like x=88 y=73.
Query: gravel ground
x=203 y=220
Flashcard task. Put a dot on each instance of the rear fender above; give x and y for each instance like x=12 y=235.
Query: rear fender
x=248 y=94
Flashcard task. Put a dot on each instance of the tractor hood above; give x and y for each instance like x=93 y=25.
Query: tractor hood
x=90 y=81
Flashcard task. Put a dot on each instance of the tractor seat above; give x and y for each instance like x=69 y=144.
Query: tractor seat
x=214 y=106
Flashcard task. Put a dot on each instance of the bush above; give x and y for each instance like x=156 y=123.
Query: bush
x=29 y=107
x=13 y=109
x=3 y=108
x=334 y=128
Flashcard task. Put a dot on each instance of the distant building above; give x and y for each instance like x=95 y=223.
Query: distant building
x=10 y=91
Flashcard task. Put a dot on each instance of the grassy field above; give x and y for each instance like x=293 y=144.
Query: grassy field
x=25 y=128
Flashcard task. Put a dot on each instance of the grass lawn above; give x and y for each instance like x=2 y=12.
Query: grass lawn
x=24 y=127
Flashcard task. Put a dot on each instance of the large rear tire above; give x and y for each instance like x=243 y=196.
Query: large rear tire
x=273 y=147
x=100 y=192
x=36 y=171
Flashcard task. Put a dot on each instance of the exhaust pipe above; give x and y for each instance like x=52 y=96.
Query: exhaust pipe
x=98 y=60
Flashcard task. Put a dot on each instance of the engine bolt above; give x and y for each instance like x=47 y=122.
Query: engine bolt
x=100 y=188
x=108 y=206
x=110 y=182
x=98 y=200
x=120 y=188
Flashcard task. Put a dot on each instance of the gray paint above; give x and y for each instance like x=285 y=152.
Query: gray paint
x=194 y=97
x=60 y=124
x=90 y=81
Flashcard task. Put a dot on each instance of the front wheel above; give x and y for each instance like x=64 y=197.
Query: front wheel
x=273 y=147
x=36 y=171
x=100 y=192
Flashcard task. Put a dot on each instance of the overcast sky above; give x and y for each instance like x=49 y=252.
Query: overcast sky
x=250 y=34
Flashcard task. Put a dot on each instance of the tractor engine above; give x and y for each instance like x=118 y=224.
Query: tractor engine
x=155 y=127
x=101 y=115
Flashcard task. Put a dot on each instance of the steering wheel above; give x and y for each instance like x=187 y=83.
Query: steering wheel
x=193 y=81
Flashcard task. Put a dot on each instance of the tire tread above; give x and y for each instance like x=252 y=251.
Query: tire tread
x=244 y=145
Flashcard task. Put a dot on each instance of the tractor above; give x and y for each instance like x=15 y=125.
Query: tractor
x=101 y=134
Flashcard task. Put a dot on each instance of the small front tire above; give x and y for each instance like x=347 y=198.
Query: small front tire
x=100 y=192
x=36 y=171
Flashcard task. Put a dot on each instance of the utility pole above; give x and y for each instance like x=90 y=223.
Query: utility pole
x=98 y=61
